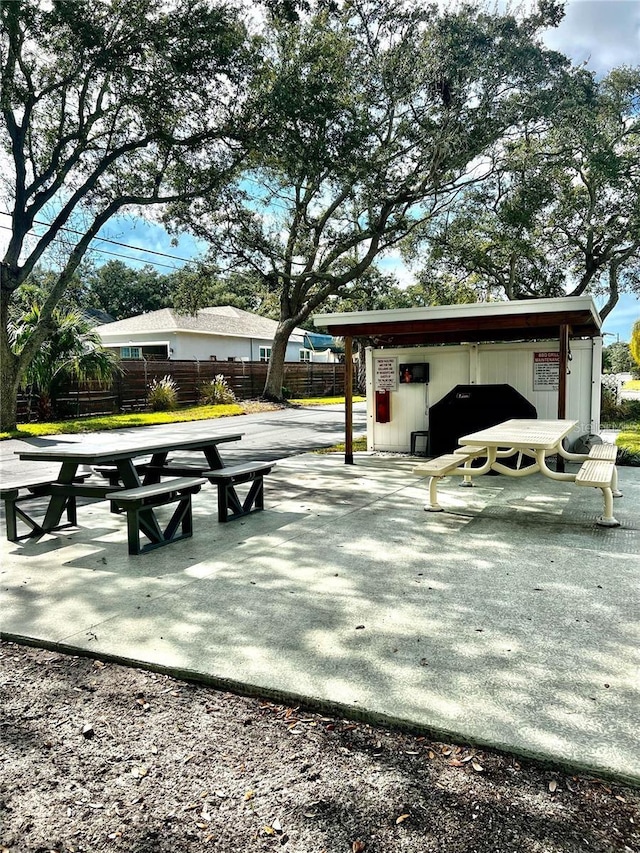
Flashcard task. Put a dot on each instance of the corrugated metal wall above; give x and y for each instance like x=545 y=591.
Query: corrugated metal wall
x=482 y=364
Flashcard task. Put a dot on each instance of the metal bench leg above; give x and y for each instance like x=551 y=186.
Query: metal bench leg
x=433 y=505
x=608 y=520
x=614 y=484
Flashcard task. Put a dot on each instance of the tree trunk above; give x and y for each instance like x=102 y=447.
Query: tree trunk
x=275 y=371
x=9 y=376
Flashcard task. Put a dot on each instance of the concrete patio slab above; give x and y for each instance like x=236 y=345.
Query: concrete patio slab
x=510 y=620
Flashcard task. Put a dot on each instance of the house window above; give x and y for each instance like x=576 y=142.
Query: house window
x=130 y=352
x=305 y=355
x=264 y=353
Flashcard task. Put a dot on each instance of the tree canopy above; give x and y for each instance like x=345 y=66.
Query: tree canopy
x=559 y=212
x=107 y=107
x=378 y=112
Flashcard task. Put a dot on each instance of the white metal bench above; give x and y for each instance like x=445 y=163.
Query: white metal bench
x=459 y=461
x=600 y=473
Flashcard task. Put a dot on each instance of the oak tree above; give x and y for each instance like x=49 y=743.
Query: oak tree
x=378 y=113
x=122 y=105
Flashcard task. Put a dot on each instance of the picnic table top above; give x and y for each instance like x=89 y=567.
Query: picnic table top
x=95 y=452
x=521 y=433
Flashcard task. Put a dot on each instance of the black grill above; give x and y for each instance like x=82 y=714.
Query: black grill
x=468 y=408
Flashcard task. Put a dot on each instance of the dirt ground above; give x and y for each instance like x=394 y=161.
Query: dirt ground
x=98 y=757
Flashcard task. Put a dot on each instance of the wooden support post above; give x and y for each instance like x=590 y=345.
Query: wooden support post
x=563 y=369
x=348 y=401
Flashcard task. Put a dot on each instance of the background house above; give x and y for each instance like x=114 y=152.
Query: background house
x=222 y=333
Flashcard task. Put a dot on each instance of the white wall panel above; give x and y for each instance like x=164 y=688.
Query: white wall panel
x=506 y=363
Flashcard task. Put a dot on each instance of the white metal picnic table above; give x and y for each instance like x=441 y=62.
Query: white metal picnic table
x=532 y=438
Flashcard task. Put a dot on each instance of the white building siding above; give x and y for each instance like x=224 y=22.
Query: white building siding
x=469 y=364
x=190 y=346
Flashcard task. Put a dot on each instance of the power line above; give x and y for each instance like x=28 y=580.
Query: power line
x=108 y=240
x=118 y=254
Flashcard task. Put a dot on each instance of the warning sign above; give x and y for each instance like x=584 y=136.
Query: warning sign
x=546 y=371
x=386 y=374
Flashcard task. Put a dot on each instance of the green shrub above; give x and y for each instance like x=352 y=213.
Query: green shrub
x=163 y=395
x=216 y=392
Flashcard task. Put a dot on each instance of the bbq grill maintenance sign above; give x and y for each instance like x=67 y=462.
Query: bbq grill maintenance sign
x=386 y=374
x=546 y=371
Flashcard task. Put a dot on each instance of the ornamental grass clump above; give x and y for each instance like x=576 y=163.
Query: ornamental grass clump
x=216 y=392
x=163 y=395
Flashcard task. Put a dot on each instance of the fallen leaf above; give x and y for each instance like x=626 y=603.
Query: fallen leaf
x=269 y=830
x=553 y=786
x=249 y=795
x=411 y=752
x=402 y=818
x=357 y=847
x=455 y=762
x=432 y=754
x=477 y=766
x=87 y=730
x=276 y=825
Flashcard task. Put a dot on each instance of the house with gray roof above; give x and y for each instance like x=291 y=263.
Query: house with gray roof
x=221 y=333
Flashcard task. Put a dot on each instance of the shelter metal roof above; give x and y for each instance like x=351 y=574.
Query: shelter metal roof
x=531 y=319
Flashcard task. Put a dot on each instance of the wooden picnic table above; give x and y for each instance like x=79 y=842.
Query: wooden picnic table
x=121 y=453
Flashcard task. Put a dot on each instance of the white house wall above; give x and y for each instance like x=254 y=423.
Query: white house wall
x=190 y=346
x=486 y=364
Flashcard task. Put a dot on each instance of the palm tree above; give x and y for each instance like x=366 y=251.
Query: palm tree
x=73 y=351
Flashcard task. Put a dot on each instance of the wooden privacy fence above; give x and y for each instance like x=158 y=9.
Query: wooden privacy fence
x=245 y=378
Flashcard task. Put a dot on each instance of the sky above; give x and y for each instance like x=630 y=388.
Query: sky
x=600 y=33
x=603 y=34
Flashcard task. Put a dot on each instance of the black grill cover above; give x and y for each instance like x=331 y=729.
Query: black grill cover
x=468 y=408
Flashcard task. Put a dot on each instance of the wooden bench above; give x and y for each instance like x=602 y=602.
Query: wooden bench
x=111 y=473
x=139 y=504
x=29 y=490
x=226 y=479
x=601 y=474
x=443 y=465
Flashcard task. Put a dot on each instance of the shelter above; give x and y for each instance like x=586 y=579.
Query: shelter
x=550 y=350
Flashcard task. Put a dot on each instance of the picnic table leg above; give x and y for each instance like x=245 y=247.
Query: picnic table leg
x=467 y=480
x=213 y=457
x=57 y=503
x=158 y=460
x=615 y=491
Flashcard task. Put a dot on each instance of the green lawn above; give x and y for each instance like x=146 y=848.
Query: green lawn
x=135 y=419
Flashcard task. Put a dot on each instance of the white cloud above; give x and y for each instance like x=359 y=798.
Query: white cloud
x=602 y=33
